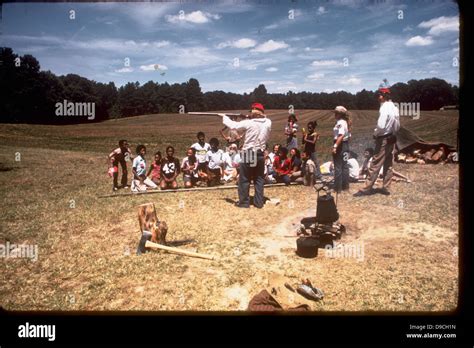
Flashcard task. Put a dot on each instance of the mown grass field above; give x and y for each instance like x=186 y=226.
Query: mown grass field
x=87 y=249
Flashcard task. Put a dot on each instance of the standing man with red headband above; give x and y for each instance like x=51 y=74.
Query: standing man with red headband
x=256 y=132
x=385 y=135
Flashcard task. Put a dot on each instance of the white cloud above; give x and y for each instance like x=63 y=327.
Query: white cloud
x=271 y=26
x=244 y=43
x=351 y=81
x=441 y=25
x=316 y=76
x=419 y=41
x=326 y=63
x=196 y=17
x=152 y=67
x=241 y=43
x=271 y=69
x=269 y=82
x=270 y=46
x=407 y=28
x=321 y=10
x=124 y=70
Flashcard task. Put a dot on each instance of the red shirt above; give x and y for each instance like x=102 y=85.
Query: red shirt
x=156 y=171
x=282 y=168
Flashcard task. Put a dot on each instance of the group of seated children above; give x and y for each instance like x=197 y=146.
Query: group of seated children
x=204 y=163
x=297 y=167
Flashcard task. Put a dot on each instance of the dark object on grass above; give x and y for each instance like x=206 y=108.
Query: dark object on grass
x=307 y=290
x=146 y=235
x=307 y=247
x=326 y=211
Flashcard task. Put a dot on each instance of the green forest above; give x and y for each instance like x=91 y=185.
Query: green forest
x=29 y=95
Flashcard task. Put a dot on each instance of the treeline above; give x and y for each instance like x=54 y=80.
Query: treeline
x=30 y=95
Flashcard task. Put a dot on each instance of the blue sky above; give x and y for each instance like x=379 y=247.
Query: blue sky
x=236 y=45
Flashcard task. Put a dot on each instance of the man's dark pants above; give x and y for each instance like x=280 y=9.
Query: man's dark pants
x=123 y=164
x=341 y=169
x=255 y=173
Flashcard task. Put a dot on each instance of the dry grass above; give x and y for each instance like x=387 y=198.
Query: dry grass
x=410 y=238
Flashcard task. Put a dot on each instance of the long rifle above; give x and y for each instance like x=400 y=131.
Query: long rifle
x=231 y=115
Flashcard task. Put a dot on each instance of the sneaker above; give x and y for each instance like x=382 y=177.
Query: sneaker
x=126 y=187
x=115 y=188
x=239 y=205
x=384 y=191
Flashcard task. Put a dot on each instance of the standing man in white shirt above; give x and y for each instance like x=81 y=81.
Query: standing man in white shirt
x=385 y=135
x=256 y=130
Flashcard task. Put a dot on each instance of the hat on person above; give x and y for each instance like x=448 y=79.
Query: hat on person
x=384 y=87
x=258 y=106
x=341 y=110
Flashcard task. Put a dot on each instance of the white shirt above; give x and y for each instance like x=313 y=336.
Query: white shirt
x=215 y=159
x=341 y=128
x=139 y=164
x=271 y=155
x=353 y=168
x=389 y=120
x=201 y=151
x=257 y=131
x=231 y=161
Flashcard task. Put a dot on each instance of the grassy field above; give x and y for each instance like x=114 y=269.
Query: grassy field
x=87 y=245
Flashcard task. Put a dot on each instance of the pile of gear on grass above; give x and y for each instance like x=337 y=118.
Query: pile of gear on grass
x=413 y=149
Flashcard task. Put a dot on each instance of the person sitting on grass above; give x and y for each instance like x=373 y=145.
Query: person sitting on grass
x=296 y=164
x=364 y=170
x=140 y=182
x=215 y=163
x=282 y=166
x=201 y=148
x=231 y=163
x=189 y=168
x=269 y=172
x=274 y=153
x=169 y=170
x=155 y=169
x=353 y=165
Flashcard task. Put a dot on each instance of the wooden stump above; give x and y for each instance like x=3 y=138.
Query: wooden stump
x=148 y=221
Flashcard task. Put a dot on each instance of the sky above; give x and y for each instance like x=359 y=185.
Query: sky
x=235 y=45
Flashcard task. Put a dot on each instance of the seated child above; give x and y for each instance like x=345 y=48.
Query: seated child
x=353 y=167
x=189 y=168
x=155 y=169
x=140 y=182
x=169 y=170
x=296 y=163
x=282 y=166
x=231 y=163
x=269 y=172
x=215 y=163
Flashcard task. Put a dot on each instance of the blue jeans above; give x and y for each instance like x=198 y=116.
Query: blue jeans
x=257 y=174
x=283 y=179
x=317 y=172
x=341 y=169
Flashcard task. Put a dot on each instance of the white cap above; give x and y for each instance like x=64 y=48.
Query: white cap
x=341 y=109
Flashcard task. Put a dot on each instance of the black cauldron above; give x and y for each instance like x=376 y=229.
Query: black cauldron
x=307 y=247
x=326 y=211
